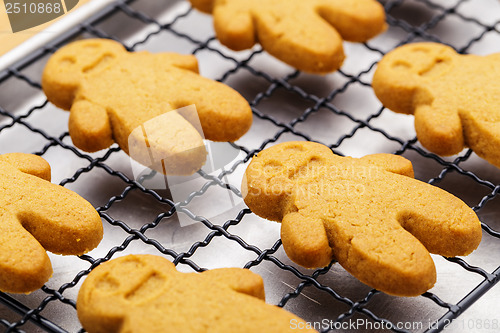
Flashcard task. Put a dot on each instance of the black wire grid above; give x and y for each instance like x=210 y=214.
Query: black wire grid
x=408 y=21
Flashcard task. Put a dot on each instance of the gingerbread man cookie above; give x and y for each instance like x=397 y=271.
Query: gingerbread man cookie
x=369 y=214
x=307 y=35
x=129 y=97
x=454 y=97
x=35 y=216
x=145 y=293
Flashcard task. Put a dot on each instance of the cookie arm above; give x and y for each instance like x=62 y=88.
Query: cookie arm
x=28 y=163
x=167 y=59
x=24 y=264
x=89 y=126
x=389 y=162
x=241 y=280
x=305 y=240
x=61 y=220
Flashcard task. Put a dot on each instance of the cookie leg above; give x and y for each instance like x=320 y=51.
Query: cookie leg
x=390 y=260
x=356 y=20
x=305 y=240
x=439 y=129
x=306 y=42
x=205 y=6
x=482 y=135
x=438 y=219
x=177 y=151
x=24 y=264
x=89 y=126
x=234 y=26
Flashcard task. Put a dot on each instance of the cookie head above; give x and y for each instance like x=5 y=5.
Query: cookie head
x=145 y=293
x=369 y=214
x=68 y=66
x=453 y=97
x=400 y=78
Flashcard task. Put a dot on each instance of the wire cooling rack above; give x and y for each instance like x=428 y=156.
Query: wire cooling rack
x=338 y=110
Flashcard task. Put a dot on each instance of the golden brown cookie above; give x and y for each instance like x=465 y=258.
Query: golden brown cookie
x=145 y=293
x=454 y=97
x=35 y=216
x=129 y=98
x=369 y=214
x=307 y=35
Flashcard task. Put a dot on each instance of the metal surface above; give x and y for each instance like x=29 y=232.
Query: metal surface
x=213 y=228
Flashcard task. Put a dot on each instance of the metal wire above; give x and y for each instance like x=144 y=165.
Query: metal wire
x=21 y=120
